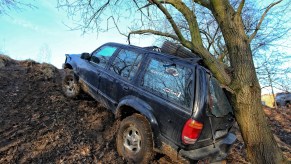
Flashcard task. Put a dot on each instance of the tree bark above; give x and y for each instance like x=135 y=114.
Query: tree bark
x=246 y=99
x=260 y=144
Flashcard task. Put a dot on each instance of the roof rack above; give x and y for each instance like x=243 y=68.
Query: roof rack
x=153 y=48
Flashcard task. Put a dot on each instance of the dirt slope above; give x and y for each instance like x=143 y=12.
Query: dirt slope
x=39 y=125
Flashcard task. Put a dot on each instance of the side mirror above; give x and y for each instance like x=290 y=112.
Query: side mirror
x=85 y=56
x=95 y=59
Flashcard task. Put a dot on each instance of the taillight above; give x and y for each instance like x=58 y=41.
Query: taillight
x=191 y=131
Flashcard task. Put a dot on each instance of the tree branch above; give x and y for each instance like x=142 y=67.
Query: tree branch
x=208 y=37
x=140 y=8
x=171 y=20
x=99 y=11
x=240 y=7
x=191 y=21
x=116 y=26
x=216 y=67
x=204 y=3
x=6 y=5
x=150 y=31
x=196 y=45
x=252 y=36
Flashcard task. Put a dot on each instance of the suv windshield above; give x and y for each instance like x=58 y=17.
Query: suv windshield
x=220 y=105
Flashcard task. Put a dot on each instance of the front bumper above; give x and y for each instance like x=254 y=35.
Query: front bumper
x=216 y=152
x=63 y=65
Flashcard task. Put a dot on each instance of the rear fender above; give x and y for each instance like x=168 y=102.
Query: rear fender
x=143 y=108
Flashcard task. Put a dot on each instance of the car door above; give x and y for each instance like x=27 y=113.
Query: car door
x=97 y=65
x=123 y=70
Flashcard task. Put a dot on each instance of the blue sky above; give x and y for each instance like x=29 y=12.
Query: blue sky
x=24 y=32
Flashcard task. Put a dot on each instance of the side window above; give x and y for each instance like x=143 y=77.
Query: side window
x=126 y=64
x=170 y=81
x=102 y=56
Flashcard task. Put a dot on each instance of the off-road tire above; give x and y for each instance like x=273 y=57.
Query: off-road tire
x=145 y=153
x=288 y=105
x=70 y=85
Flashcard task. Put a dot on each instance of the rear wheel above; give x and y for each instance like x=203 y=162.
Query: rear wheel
x=134 y=139
x=288 y=105
x=70 y=84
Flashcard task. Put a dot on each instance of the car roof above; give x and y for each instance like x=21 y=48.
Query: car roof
x=189 y=61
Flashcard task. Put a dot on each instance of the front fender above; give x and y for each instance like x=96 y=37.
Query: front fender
x=71 y=61
x=143 y=108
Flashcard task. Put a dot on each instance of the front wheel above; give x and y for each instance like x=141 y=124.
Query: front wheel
x=134 y=139
x=288 y=105
x=70 y=85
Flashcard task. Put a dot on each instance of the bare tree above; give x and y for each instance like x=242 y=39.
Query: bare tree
x=285 y=83
x=8 y=5
x=268 y=66
x=238 y=76
x=271 y=30
x=270 y=72
x=44 y=54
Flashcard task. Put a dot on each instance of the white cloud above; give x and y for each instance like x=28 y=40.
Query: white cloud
x=28 y=25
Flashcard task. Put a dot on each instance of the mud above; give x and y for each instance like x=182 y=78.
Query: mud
x=38 y=124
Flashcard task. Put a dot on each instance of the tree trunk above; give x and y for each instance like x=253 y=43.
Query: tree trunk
x=272 y=88
x=260 y=143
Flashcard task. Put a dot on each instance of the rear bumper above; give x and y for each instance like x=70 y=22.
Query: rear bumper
x=216 y=152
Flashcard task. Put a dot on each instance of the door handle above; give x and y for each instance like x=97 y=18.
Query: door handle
x=110 y=80
x=126 y=88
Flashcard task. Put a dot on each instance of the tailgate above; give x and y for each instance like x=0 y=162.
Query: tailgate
x=219 y=116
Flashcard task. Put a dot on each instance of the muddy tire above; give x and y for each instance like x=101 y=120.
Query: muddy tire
x=134 y=139
x=70 y=85
x=288 y=105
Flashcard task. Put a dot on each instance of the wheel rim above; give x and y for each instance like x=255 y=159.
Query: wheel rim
x=69 y=84
x=132 y=139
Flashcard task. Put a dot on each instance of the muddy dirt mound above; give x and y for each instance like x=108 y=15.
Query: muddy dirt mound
x=40 y=125
x=280 y=122
x=6 y=61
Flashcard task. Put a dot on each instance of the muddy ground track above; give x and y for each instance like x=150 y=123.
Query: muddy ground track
x=40 y=125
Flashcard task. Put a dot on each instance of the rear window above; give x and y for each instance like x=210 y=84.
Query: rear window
x=170 y=81
x=220 y=103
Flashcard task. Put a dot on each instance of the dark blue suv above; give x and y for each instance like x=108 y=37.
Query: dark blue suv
x=166 y=104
